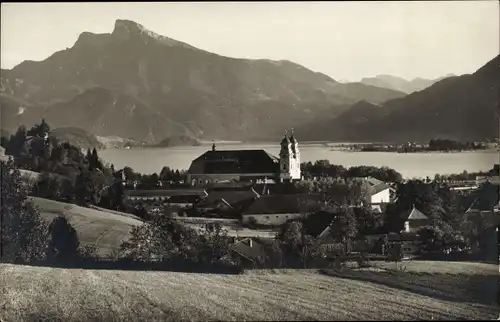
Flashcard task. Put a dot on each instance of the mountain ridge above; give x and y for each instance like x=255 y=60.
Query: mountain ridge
x=210 y=96
x=460 y=107
x=401 y=84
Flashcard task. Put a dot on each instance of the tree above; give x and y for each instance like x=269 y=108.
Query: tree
x=317 y=222
x=64 y=241
x=432 y=238
x=368 y=221
x=23 y=235
x=83 y=187
x=214 y=243
x=297 y=247
x=344 y=228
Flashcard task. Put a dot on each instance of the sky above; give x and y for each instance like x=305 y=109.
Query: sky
x=345 y=40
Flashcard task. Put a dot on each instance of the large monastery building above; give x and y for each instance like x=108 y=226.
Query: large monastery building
x=247 y=165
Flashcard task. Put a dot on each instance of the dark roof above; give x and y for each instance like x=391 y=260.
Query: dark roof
x=376 y=184
x=229 y=185
x=281 y=204
x=164 y=192
x=258 y=249
x=487 y=199
x=379 y=187
x=183 y=199
x=235 y=161
x=232 y=197
x=413 y=214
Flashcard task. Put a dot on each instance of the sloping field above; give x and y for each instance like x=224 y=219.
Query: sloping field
x=105 y=230
x=29 y=293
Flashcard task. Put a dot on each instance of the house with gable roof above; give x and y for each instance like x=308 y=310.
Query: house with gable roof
x=227 y=200
x=276 y=210
x=414 y=220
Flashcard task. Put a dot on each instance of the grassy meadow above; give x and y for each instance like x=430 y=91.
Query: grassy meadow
x=105 y=230
x=446 y=291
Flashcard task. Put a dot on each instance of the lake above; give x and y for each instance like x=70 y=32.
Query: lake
x=410 y=165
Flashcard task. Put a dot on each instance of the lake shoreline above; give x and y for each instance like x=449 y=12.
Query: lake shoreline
x=410 y=165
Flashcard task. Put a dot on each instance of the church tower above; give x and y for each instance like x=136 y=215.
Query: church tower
x=289 y=158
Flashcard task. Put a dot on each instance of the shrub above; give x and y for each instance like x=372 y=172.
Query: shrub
x=23 y=235
x=165 y=240
x=64 y=241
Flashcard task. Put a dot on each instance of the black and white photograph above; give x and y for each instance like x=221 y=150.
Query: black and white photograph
x=250 y=161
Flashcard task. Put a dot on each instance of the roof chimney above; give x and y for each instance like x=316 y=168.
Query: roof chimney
x=213 y=146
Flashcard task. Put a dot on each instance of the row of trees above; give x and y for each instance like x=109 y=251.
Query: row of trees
x=323 y=168
x=451 y=145
x=167 y=177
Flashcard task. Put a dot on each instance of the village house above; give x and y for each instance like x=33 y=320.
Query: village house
x=226 y=202
x=252 y=252
x=246 y=165
x=276 y=210
x=381 y=192
x=414 y=219
x=177 y=201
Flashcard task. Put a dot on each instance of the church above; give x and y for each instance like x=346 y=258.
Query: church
x=247 y=165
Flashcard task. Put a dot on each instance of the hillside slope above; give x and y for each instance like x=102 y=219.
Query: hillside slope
x=188 y=90
x=105 y=230
x=461 y=291
x=461 y=108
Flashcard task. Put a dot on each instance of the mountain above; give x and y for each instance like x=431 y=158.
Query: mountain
x=135 y=83
x=401 y=84
x=180 y=140
x=461 y=108
x=77 y=137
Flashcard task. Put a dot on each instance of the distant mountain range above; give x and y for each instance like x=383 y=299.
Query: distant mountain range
x=134 y=83
x=401 y=84
x=462 y=108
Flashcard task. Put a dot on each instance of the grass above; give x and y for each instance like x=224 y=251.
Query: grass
x=105 y=230
x=37 y=293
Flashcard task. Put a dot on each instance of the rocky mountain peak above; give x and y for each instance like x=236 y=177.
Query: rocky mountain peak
x=128 y=29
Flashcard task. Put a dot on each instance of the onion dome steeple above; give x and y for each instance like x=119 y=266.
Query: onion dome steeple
x=285 y=140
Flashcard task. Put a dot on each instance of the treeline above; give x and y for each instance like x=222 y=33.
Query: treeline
x=67 y=173
x=166 y=178
x=495 y=171
x=70 y=175
x=323 y=168
x=451 y=145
